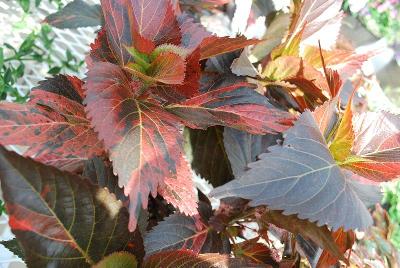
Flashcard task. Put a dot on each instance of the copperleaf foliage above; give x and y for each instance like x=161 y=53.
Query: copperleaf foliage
x=303 y=178
x=52 y=125
x=60 y=218
x=186 y=258
x=76 y=14
x=118 y=260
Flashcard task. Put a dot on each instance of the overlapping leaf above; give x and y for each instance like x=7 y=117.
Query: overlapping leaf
x=376 y=150
x=144 y=140
x=187 y=258
x=318 y=17
x=60 y=219
x=52 y=125
x=237 y=106
x=301 y=177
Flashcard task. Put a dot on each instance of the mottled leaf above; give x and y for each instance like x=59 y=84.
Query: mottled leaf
x=60 y=219
x=238 y=106
x=187 y=258
x=301 y=177
x=76 y=14
x=376 y=150
x=53 y=124
x=144 y=140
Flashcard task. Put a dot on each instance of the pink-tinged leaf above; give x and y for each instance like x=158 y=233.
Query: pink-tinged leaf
x=144 y=140
x=318 y=17
x=156 y=21
x=53 y=124
x=192 y=33
x=301 y=177
x=213 y=46
x=377 y=146
x=345 y=62
x=238 y=106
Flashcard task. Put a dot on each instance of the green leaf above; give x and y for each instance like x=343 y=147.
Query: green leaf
x=55 y=70
x=60 y=219
x=1 y=58
x=118 y=260
x=14 y=247
x=25 y=4
x=28 y=43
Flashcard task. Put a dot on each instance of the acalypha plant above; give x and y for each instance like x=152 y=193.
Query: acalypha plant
x=106 y=165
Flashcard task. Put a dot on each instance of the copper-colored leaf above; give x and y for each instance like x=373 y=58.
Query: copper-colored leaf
x=301 y=177
x=186 y=258
x=118 y=260
x=144 y=140
x=53 y=124
x=376 y=149
x=60 y=219
x=168 y=68
x=344 y=240
x=238 y=106
x=213 y=45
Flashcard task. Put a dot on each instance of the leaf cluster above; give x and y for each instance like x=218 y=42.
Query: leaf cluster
x=106 y=174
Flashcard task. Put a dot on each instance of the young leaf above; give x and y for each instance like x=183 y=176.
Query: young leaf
x=118 y=260
x=376 y=150
x=344 y=137
x=76 y=14
x=144 y=140
x=237 y=106
x=187 y=258
x=52 y=124
x=59 y=218
x=301 y=177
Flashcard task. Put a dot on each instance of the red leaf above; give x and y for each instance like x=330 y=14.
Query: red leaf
x=237 y=106
x=192 y=33
x=168 y=68
x=145 y=142
x=52 y=124
x=187 y=258
x=213 y=45
x=377 y=146
x=50 y=209
x=156 y=20
x=344 y=240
